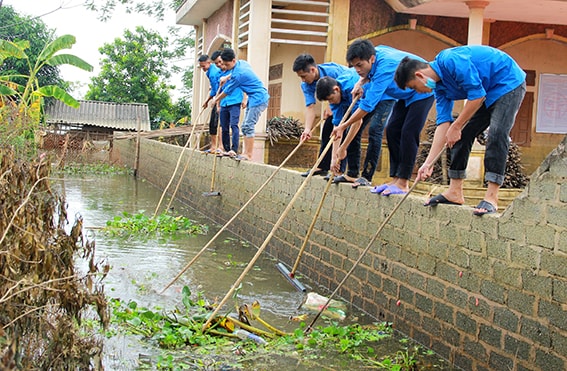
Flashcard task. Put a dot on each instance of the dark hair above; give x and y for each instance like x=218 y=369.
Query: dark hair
x=228 y=55
x=361 y=49
x=303 y=62
x=215 y=54
x=203 y=58
x=406 y=71
x=325 y=86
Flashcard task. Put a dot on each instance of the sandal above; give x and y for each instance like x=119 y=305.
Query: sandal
x=240 y=158
x=361 y=182
x=490 y=209
x=340 y=179
x=393 y=190
x=379 y=189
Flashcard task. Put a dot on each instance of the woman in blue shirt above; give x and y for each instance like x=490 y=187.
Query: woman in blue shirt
x=494 y=86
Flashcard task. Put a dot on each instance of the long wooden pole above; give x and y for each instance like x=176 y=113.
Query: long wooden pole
x=276 y=226
x=237 y=213
x=319 y=207
x=137 y=154
x=270 y=235
x=178 y=162
x=311 y=227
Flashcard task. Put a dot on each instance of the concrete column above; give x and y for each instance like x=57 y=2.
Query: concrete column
x=259 y=58
x=199 y=81
x=476 y=21
x=338 y=31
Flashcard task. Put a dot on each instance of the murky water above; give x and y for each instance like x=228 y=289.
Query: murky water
x=141 y=268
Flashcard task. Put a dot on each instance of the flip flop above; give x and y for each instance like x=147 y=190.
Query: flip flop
x=393 y=190
x=490 y=209
x=439 y=199
x=240 y=158
x=379 y=189
x=340 y=179
x=361 y=182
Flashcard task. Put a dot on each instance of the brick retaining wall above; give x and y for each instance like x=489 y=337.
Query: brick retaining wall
x=487 y=293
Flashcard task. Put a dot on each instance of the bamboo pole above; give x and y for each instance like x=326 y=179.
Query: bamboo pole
x=310 y=230
x=237 y=213
x=277 y=224
x=178 y=162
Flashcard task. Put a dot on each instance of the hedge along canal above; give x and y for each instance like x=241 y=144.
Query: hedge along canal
x=141 y=267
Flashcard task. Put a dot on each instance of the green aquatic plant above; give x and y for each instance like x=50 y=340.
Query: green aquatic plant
x=163 y=224
x=89 y=169
x=180 y=327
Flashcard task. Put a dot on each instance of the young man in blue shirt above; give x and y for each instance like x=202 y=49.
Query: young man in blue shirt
x=242 y=76
x=310 y=72
x=230 y=114
x=213 y=74
x=494 y=86
x=338 y=92
x=376 y=67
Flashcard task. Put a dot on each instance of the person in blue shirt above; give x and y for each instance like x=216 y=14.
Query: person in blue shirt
x=338 y=92
x=229 y=114
x=376 y=67
x=242 y=76
x=310 y=72
x=494 y=86
x=213 y=74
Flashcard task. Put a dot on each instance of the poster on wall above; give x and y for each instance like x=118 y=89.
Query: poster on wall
x=552 y=104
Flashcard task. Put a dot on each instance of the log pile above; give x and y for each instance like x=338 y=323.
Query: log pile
x=439 y=175
x=286 y=127
x=515 y=176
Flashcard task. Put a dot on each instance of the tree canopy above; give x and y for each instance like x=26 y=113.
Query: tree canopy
x=15 y=27
x=135 y=68
x=154 y=8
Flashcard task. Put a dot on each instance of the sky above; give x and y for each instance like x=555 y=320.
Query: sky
x=71 y=17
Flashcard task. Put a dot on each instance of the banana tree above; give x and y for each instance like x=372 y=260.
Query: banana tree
x=29 y=97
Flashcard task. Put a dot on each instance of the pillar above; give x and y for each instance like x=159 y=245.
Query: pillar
x=476 y=21
x=337 y=31
x=259 y=57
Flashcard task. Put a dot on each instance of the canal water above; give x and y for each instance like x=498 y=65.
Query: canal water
x=141 y=268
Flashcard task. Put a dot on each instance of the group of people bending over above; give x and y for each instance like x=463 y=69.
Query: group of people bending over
x=395 y=90
x=385 y=89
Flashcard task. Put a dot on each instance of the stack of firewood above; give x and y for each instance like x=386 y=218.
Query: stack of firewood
x=286 y=127
x=515 y=176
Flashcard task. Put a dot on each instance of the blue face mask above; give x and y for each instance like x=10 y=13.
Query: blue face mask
x=430 y=83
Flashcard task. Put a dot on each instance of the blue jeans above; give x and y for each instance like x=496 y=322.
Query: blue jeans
x=377 y=120
x=229 y=117
x=402 y=132
x=499 y=119
x=251 y=117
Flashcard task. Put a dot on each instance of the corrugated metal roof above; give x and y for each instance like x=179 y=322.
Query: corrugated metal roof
x=119 y=116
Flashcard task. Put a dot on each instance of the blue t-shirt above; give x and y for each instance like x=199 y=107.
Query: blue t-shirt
x=325 y=69
x=235 y=98
x=346 y=82
x=382 y=84
x=472 y=72
x=242 y=76
x=214 y=74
